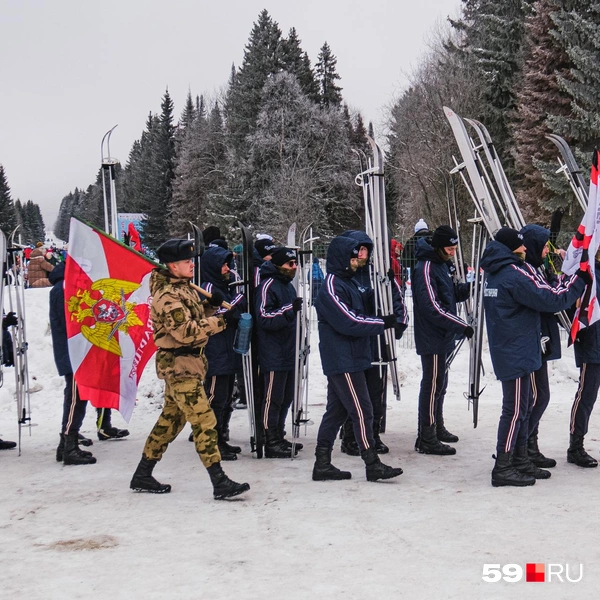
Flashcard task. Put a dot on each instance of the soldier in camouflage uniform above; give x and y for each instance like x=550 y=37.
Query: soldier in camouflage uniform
x=182 y=327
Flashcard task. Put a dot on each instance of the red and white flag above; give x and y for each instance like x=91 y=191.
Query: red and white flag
x=107 y=304
x=582 y=252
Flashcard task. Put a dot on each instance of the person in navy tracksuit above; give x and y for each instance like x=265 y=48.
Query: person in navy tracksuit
x=437 y=326
x=513 y=300
x=587 y=358
x=223 y=362
x=345 y=327
x=535 y=239
x=277 y=305
x=376 y=375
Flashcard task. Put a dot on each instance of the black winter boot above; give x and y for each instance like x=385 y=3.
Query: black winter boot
x=71 y=453
x=142 y=480
x=504 y=473
x=83 y=441
x=535 y=456
x=105 y=429
x=6 y=445
x=61 y=448
x=380 y=447
x=376 y=470
x=227 y=452
x=443 y=435
x=223 y=487
x=324 y=470
x=298 y=445
x=523 y=464
x=428 y=443
x=577 y=455
x=349 y=445
x=274 y=445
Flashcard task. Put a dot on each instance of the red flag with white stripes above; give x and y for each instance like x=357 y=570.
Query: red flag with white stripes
x=582 y=252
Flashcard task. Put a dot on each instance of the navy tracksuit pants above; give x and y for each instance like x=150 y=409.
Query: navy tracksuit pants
x=219 y=390
x=347 y=396
x=514 y=420
x=73 y=407
x=279 y=395
x=433 y=389
x=540 y=393
x=585 y=398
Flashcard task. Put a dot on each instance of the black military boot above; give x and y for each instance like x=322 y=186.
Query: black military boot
x=227 y=452
x=142 y=480
x=349 y=444
x=274 y=445
x=298 y=445
x=324 y=470
x=523 y=464
x=577 y=455
x=443 y=435
x=535 y=456
x=380 y=447
x=71 y=453
x=376 y=470
x=428 y=443
x=223 y=487
x=105 y=429
x=6 y=445
x=61 y=448
x=504 y=473
x=83 y=441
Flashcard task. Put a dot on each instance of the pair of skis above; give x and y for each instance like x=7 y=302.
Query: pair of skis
x=495 y=203
x=372 y=182
x=303 y=285
x=12 y=299
x=571 y=170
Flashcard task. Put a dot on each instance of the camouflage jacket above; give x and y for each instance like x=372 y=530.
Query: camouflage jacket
x=182 y=326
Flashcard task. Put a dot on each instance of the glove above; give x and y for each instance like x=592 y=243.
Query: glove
x=391 y=275
x=585 y=276
x=389 y=321
x=468 y=332
x=232 y=317
x=297 y=304
x=9 y=320
x=217 y=298
x=399 y=329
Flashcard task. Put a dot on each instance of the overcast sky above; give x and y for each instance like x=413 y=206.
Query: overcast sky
x=71 y=69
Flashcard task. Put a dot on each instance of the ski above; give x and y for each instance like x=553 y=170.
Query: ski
x=304 y=289
x=15 y=299
x=252 y=381
x=571 y=170
x=2 y=279
x=199 y=249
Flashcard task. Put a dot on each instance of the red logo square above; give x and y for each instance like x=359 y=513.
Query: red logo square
x=535 y=572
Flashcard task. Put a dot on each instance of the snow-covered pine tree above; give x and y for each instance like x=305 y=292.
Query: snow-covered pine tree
x=8 y=214
x=327 y=75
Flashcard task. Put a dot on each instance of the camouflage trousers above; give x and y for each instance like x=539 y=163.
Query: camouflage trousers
x=185 y=402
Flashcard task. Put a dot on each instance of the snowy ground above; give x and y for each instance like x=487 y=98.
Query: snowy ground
x=79 y=532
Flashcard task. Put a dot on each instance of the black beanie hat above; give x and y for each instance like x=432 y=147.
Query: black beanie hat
x=220 y=242
x=281 y=255
x=511 y=238
x=175 y=250
x=210 y=234
x=265 y=246
x=444 y=236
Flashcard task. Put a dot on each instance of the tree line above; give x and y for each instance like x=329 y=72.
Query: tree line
x=27 y=217
x=277 y=146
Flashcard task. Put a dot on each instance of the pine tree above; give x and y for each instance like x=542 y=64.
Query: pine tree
x=295 y=61
x=8 y=214
x=538 y=96
x=262 y=58
x=331 y=93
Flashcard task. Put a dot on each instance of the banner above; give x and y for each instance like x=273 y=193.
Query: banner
x=107 y=304
x=581 y=255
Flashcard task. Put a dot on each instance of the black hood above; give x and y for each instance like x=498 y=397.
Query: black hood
x=339 y=254
x=211 y=264
x=425 y=251
x=57 y=274
x=535 y=238
x=497 y=256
